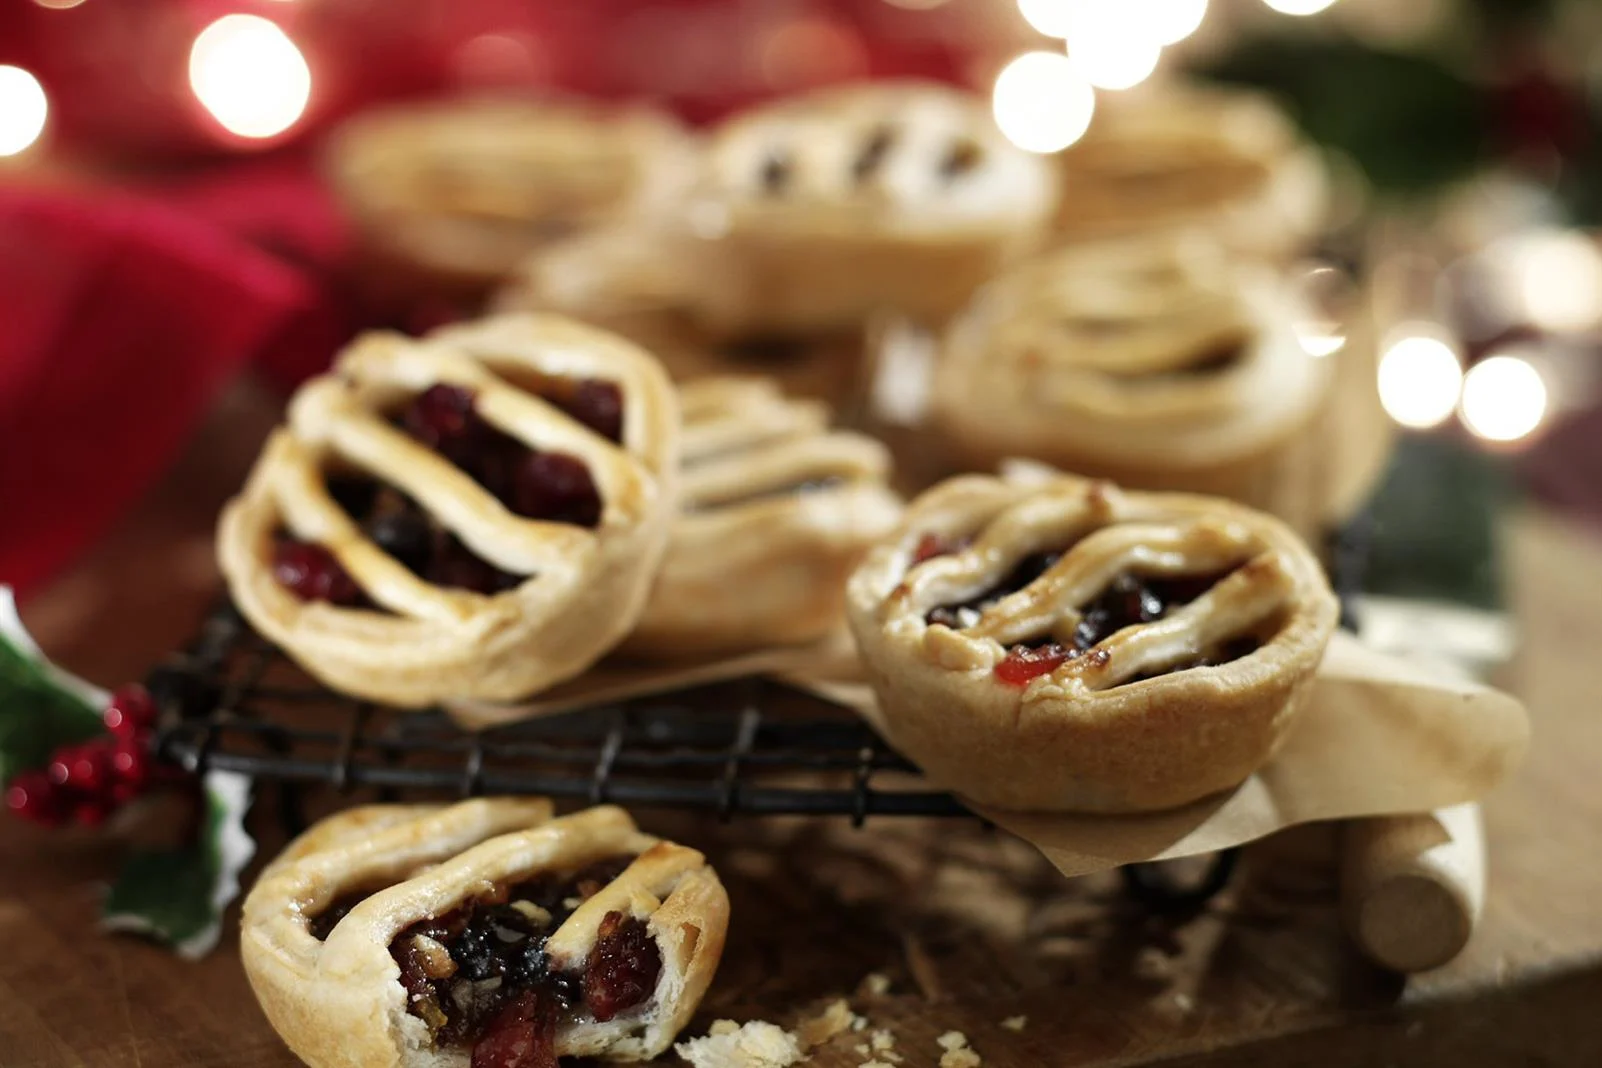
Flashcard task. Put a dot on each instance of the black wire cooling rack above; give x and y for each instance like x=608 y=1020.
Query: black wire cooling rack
x=751 y=746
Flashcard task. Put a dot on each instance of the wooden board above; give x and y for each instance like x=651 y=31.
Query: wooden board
x=970 y=926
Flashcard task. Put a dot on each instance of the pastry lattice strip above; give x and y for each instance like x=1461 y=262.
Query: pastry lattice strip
x=744 y=439
x=1105 y=546
x=340 y=418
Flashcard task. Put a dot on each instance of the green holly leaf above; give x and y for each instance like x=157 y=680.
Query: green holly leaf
x=178 y=896
x=41 y=706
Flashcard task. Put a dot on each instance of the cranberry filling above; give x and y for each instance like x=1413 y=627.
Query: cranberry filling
x=310 y=572
x=400 y=528
x=1128 y=600
x=551 y=486
x=479 y=975
x=873 y=153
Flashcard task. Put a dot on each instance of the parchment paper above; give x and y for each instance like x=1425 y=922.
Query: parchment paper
x=1377 y=736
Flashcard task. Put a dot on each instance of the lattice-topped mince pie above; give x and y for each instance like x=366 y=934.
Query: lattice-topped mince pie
x=1152 y=362
x=463 y=190
x=834 y=204
x=1054 y=643
x=474 y=514
x=775 y=510
x=484 y=933
x=1226 y=163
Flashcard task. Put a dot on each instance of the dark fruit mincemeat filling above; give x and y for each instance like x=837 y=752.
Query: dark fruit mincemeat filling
x=478 y=975
x=1128 y=600
x=551 y=486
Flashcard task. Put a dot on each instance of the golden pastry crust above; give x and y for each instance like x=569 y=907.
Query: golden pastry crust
x=1124 y=724
x=1226 y=163
x=1149 y=360
x=338 y=1003
x=424 y=643
x=837 y=203
x=463 y=190
x=775 y=511
x=810 y=214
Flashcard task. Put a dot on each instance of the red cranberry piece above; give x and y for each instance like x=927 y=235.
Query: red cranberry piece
x=130 y=712
x=521 y=1035
x=557 y=487
x=622 y=968
x=1024 y=663
x=33 y=796
x=597 y=404
x=442 y=417
x=455 y=565
x=932 y=545
x=311 y=573
x=406 y=536
x=84 y=769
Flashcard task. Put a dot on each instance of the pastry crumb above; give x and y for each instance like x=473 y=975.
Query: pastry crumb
x=1015 y=1023
x=533 y=912
x=754 y=1044
x=876 y=984
x=571 y=903
x=892 y=1056
x=960 y=1058
x=723 y=1027
x=861 y=1049
x=860 y=1023
x=876 y=1064
x=952 y=1040
x=836 y=1019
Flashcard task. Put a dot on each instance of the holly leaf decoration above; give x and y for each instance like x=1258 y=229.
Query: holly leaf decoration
x=41 y=706
x=178 y=896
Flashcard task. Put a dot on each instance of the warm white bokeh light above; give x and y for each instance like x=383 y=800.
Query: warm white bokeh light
x=1109 y=53
x=916 y=5
x=1054 y=18
x=1171 y=21
x=1504 y=398
x=23 y=110
x=1299 y=7
x=249 y=75
x=1558 y=274
x=1419 y=379
x=1041 y=103
x=1320 y=337
x=58 y=5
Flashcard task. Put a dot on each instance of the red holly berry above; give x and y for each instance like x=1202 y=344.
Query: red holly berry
x=130 y=767
x=131 y=712
x=33 y=796
x=86 y=768
x=92 y=811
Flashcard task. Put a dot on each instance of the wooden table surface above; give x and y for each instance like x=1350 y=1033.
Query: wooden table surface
x=970 y=926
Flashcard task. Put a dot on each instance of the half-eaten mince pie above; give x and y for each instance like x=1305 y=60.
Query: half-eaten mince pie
x=826 y=207
x=460 y=191
x=483 y=934
x=1057 y=644
x=474 y=514
x=775 y=510
x=1148 y=361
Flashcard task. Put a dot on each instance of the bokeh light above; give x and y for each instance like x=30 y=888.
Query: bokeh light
x=1171 y=21
x=1054 y=18
x=58 y=5
x=1419 y=378
x=1041 y=102
x=1504 y=398
x=250 y=76
x=1559 y=278
x=23 y=110
x=1112 y=56
x=1299 y=7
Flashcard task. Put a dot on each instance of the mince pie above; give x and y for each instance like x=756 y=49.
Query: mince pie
x=1227 y=164
x=461 y=191
x=483 y=933
x=1149 y=361
x=473 y=514
x=1052 y=643
x=809 y=215
x=775 y=510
